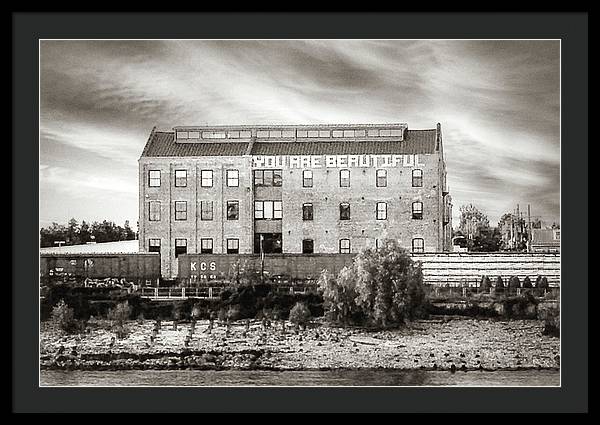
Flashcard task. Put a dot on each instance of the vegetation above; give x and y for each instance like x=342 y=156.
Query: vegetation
x=527 y=283
x=119 y=316
x=74 y=233
x=514 y=282
x=541 y=282
x=551 y=317
x=300 y=314
x=499 y=288
x=63 y=317
x=383 y=288
x=485 y=284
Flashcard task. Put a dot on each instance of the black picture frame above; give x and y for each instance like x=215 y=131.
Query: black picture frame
x=570 y=28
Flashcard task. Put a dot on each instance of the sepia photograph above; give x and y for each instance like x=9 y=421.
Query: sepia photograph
x=299 y=212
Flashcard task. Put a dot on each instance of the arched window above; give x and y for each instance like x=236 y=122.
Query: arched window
x=417 y=178
x=418 y=245
x=417 y=210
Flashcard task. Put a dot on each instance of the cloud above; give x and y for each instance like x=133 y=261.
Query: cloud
x=498 y=102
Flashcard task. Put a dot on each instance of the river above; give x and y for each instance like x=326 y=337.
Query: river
x=365 y=377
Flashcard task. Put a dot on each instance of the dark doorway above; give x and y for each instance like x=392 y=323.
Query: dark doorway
x=308 y=246
x=271 y=243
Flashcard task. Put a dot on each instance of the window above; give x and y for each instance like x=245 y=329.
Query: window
x=307 y=211
x=206 y=246
x=154 y=178
x=154 y=213
x=344 y=178
x=417 y=210
x=233 y=246
x=258 y=210
x=154 y=245
x=267 y=178
x=233 y=210
x=233 y=178
x=381 y=178
x=268 y=210
x=180 y=210
x=206 y=178
x=259 y=178
x=180 y=178
x=417 y=178
x=277 y=210
x=308 y=246
x=206 y=210
x=307 y=178
x=418 y=245
x=277 y=178
x=344 y=246
x=381 y=211
x=344 y=211
x=180 y=247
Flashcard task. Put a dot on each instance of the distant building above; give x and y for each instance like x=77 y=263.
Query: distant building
x=306 y=189
x=545 y=240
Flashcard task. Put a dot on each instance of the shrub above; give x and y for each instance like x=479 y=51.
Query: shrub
x=541 y=282
x=300 y=314
x=527 y=283
x=118 y=316
x=550 y=315
x=196 y=311
x=485 y=284
x=514 y=282
x=382 y=287
x=64 y=317
x=233 y=313
x=499 y=288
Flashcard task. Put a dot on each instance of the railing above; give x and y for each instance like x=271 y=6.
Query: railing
x=208 y=292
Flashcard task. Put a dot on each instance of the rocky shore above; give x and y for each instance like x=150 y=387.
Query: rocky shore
x=435 y=344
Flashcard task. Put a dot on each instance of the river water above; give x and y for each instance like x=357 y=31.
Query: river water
x=365 y=377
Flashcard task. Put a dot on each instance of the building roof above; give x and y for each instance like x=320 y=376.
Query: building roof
x=163 y=144
x=545 y=237
x=94 y=248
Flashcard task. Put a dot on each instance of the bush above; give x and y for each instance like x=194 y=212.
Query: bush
x=485 y=284
x=541 y=282
x=118 y=316
x=514 y=282
x=64 y=317
x=550 y=315
x=300 y=314
x=527 y=283
x=382 y=288
x=499 y=288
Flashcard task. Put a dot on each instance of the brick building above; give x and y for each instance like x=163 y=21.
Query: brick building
x=292 y=189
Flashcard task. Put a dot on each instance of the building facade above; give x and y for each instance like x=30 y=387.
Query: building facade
x=292 y=189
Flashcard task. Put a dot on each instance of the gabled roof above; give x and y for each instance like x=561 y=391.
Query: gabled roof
x=163 y=144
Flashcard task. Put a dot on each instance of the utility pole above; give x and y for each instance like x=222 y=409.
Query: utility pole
x=529 y=233
x=519 y=230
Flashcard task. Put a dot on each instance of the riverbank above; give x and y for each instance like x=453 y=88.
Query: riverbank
x=436 y=344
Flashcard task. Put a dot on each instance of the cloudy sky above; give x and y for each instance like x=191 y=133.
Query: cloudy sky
x=498 y=103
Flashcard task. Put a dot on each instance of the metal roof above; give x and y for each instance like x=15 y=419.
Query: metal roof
x=163 y=144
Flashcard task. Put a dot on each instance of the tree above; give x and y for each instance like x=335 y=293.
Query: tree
x=472 y=222
x=488 y=240
x=383 y=287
